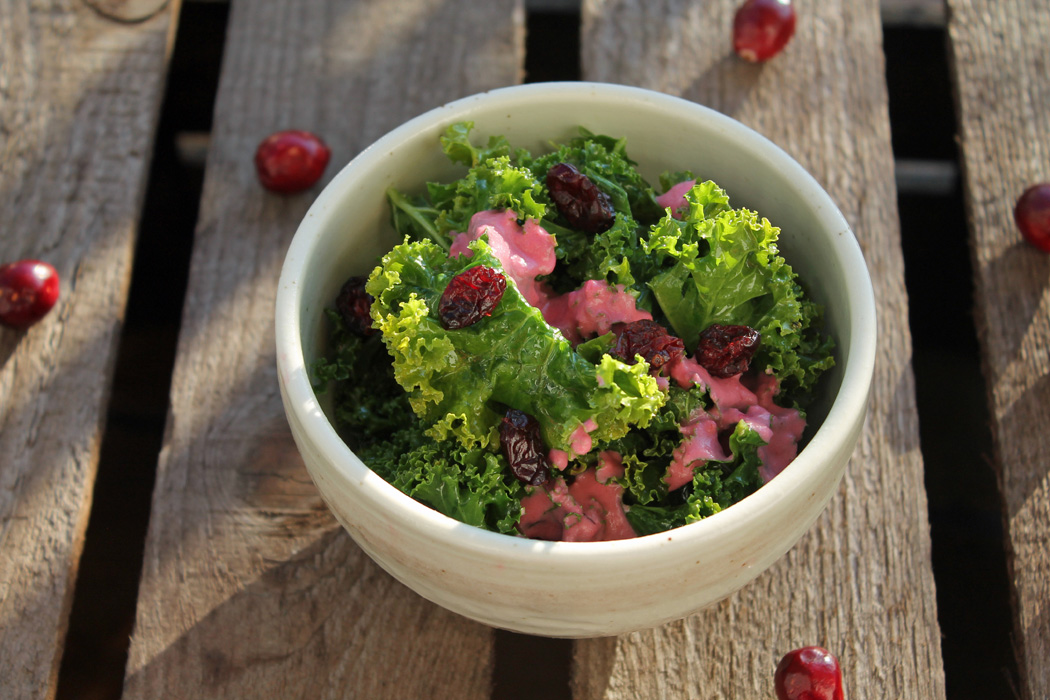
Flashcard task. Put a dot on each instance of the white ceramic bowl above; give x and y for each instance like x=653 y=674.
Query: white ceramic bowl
x=558 y=588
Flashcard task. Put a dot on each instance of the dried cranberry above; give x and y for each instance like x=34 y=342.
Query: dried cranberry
x=579 y=200
x=809 y=673
x=726 y=350
x=28 y=290
x=470 y=295
x=522 y=445
x=648 y=339
x=291 y=161
x=353 y=304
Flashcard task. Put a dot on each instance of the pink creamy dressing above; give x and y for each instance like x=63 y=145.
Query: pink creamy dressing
x=699 y=444
x=781 y=427
x=591 y=310
x=528 y=252
x=580 y=443
x=674 y=198
x=588 y=510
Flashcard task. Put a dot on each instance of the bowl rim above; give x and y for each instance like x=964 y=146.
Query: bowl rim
x=300 y=399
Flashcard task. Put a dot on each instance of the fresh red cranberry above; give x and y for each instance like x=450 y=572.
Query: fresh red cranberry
x=762 y=28
x=1032 y=214
x=648 y=339
x=522 y=445
x=291 y=161
x=579 y=200
x=727 y=350
x=809 y=673
x=469 y=296
x=353 y=304
x=28 y=290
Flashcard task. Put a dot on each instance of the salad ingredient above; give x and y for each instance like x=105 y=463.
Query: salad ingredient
x=561 y=402
x=583 y=205
x=291 y=161
x=522 y=445
x=726 y=350
x=28 y=291
x=649 y=340
x=525 y=251
x=353 y=303
x=809 y=673
x=1032 y=214
x=469 y=296
x=468 y=484
x=581 y=508
x=762 y=28
x=370 y=406
x=596 y=308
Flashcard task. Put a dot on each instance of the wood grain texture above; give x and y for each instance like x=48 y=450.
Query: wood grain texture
x=79 y=102
x=1000 y=61
x=250 y=588
x=860 y=581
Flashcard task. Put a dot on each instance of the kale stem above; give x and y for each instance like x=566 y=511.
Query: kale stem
x=399 y=201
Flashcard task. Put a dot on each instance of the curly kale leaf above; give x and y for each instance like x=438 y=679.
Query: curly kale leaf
x=493 y=181
x=604 y=161
x=715 y=487
x=722 y=265
x=460 y=382
x=492 y=184
x=468 y=484
x=605 y=255
x=646 y=452
x=457 y=146
x=369 y=403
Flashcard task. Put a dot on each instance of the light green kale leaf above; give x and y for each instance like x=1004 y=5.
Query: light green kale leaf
x=492 y=184
x=493 y=181
x=461 y=382
x=457 y=146
x=722 y=265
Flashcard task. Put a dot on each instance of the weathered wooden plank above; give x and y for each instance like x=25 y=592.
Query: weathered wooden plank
x=1000 y=62
x=79 y=100
x=250 y=588
x=860 y=582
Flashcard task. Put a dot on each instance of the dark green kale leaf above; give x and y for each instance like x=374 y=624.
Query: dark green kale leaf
x=369 y=403
x=605 y=162
x=715 y=487
x=646 y=452
x=458 y=148
x=416 y=219
x=606 y=255
x=468 y=484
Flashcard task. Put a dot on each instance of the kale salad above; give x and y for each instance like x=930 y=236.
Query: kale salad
x=560 y=350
